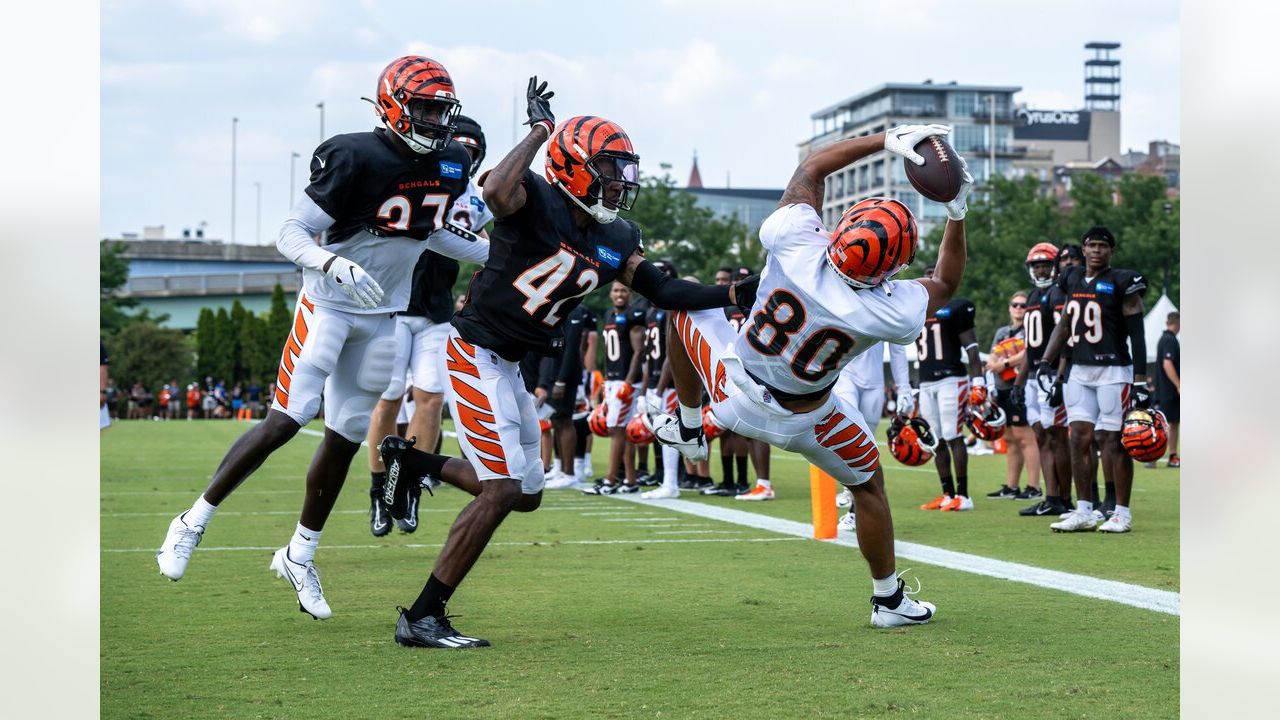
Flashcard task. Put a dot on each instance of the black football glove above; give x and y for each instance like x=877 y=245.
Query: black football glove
x=1046 y=375
x=1018 y=399
x=1140 y=397
x=1055 y=393
x=539 y=108
x=744 y=293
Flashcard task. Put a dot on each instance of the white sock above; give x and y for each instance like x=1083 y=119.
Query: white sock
x=690 y=417
x=670 y=466
x=1084 y=506
x=200 y=513
x=762 y=482
x=302 y=546
x=885 y=586
x=1123 y=511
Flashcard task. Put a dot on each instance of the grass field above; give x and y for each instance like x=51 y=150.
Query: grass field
x=600 y=608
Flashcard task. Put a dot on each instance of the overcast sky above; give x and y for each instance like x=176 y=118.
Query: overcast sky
x=734 y=79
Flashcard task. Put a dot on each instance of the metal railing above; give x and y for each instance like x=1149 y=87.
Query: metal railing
x=211 y=284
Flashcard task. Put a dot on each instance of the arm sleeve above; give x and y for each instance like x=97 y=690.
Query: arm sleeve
x=965 y=316
x=1137 y=341
x=464 y=245
x=305 y=221
x=547 y=371
x=898 y=366
x=572 y=348
x=672 y=294
x=333 y=173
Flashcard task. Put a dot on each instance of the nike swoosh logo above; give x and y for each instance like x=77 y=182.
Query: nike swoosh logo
x=321 y=161
x=297 y=584
x=925 y=616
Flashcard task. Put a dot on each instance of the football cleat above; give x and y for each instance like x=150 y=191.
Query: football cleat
x=959 y=503
x=848 y=522
x=1174 y=461
x=409 y=523
x=1004 y=493
x=625 y=489
x=1076 y=521
x=724 y=489
x=179 y=543
x=1117 y=523
x=379 y=514
x=844 y=499
x=662 y=493
x=1044 y=508
x=759 y=492
x=644 y=479
x=667 y=431
x=1030 y=493
x=433 y=632
x=560 y=481
x=601 y=488
x=305 y=580
x=900 y=609
x=936 y=503
x=396 y=490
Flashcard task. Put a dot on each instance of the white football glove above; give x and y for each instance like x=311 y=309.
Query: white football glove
x=355 y=282
x=906 y=401
x=957 y=208
x=902 y=140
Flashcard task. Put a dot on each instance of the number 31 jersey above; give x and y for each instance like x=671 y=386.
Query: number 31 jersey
x=807 y=323
x=540 y=266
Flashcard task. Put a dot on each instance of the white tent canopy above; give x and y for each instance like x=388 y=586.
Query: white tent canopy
x=1154 y=323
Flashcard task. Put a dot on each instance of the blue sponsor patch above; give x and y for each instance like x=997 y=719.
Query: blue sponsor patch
x=478 y=204
x=1106 y=287
x=943 y=312
x=450 y=170
x=609 y=257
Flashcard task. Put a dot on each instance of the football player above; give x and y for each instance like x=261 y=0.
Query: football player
x=862 y=382
x=1101 y=330
x=374 y=198
x=660 y=395
x=824 y=298
x=1044 y=308
x=557 y=237
x=623 y=334
x=420 y=332
x=945 y=389
x=566 y=379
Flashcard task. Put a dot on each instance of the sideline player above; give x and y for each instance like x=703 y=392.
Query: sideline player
x=623 y=335
x=862 y=383
x=374 y=197
x=1044 y=308
x=1103 y=309
x=824 y=298
x=420 y=333
x=660 y=395
x=945 y=389
x=557 y=238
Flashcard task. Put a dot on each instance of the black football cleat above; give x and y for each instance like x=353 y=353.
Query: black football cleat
x=1004 y=493
x=433 y=632
x=409 y=523
x=379 y=514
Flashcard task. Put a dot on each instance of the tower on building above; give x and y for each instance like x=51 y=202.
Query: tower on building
x=1102 y=77
x=695 y=177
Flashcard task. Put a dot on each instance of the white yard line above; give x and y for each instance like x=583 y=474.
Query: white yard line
x=1137 y=596
x=638 y=541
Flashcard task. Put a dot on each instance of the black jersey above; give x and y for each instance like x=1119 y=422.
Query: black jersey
x=1044 y=307
x=433 y=279
x=655 y=343
x=364 y=183
x=540 y=267
x=940 y=350
x=1096 y=306
x=618 y=325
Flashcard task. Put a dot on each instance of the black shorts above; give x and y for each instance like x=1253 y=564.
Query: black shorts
x=1004 y=398
x=563 y=408
x=1168 y=404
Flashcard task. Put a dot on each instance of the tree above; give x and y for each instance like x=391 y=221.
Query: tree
x=146 y=353
x=675 y=227
x=113 y=273
x=205 y=339
x=279 y=317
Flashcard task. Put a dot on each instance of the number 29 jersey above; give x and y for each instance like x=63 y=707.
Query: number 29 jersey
x=1096 y=308
x=540 y=267
x=807 y=323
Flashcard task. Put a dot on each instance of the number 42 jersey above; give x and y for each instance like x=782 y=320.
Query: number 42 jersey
x=807 y=322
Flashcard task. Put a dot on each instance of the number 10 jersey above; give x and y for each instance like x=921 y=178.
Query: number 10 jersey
x=807 y=323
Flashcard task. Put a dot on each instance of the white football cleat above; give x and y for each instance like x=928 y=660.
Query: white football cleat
x=1076 y=522
x=661 y=493
x=179 y=543
x=666 y=430
x=958 y=503
x=1116 y=524
x=306 y=582
x=844 y=499
x=900 y=609
x=848 y=522
x=559 y=480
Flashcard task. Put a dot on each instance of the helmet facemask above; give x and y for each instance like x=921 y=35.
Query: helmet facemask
x=424 y=123
x=615 y=184
x=1042 y=273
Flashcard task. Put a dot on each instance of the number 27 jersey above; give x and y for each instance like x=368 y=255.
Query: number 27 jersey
x=807 y=323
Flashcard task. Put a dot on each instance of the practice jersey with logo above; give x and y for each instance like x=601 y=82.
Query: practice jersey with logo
x=617 y=340
x=1044 y=307
x=384 y=204
x=807 y=322
x=655 y=344
x=540 y=266
x=434 y=274
x=1096 y=307
x=940 y=352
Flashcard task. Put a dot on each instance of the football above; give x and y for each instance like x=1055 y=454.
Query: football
x=940 y=177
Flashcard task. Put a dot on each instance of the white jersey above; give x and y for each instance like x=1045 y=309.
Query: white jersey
x=867 y=370
x=807 y=323
x=470 y=210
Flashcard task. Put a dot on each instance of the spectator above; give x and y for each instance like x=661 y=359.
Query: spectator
x=135 y=401
x=104 y=401
x=208 y=403
x=253 y=396
x=1007 y=353
x=195 y=400
x=1169 y=383
x=162 y=402
x=175 y=399
x=222 y=403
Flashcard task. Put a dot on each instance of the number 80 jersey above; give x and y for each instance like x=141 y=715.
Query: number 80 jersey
x=540 y=266
x=807 y=323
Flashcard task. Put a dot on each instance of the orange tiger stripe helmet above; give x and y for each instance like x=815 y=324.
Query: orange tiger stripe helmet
x=416 y=100
x=591 y=159
x=1145 y=434
x=874 y=241
x=638 y=432
x=985 y=421
x=911 y=440
x=597 y=422
x=710 y=426
x=1043 y=256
